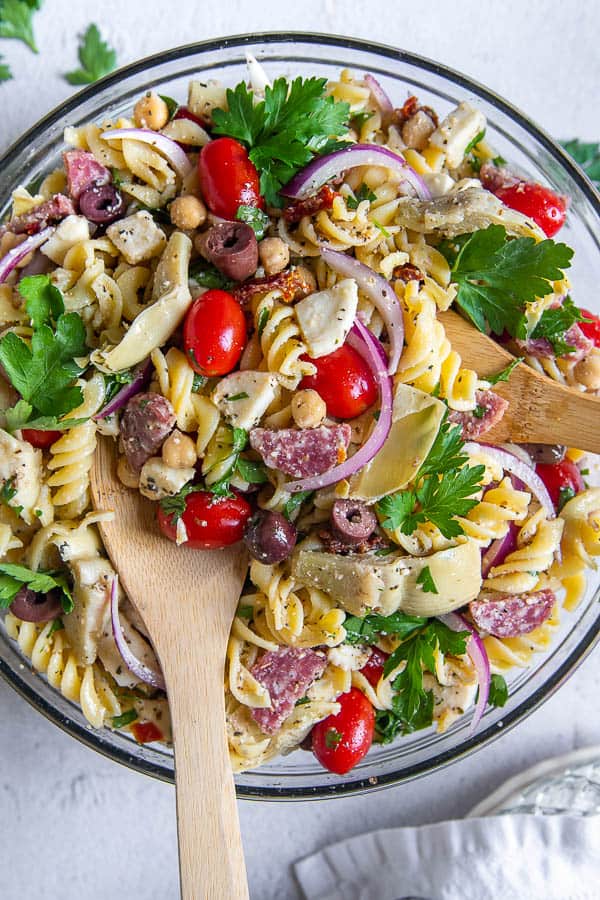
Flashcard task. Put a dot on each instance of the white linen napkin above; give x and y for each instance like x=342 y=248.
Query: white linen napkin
x=510 y=857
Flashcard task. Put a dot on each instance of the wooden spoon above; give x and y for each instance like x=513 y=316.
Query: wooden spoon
x=541 y=411
x=188 y=600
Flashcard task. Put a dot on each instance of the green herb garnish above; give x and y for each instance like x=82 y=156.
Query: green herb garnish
x=13 y=577
x=425 y=579
x=368 y=629
x=16 y=21
x=362 y=193
x=258 y=220
x=498 y=691
x=504 y=374
x=97 y=59
x=125 y=719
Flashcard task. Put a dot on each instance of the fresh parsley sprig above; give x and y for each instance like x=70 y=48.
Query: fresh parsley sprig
x=97 y=59
x=16 y=20
x=368 y=629
x=13 y=577
x=5 y=73
x=588 y=157
x=555 y=323
x=258 y=220
x=285 y=130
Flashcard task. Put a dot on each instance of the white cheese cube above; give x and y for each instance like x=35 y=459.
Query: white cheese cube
x=137 y=237
x=456 y=132
x=71 y=231
x=325 y=318
x=157 y=480
x=244 y=397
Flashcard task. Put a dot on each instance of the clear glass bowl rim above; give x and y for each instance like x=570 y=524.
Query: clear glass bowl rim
x=359 y=785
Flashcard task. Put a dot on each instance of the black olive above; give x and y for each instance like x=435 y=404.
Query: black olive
x=352 y=521
x=269 y=537
x=101 y=204
x=33 y=607
x=232 y=247
x=545 y=453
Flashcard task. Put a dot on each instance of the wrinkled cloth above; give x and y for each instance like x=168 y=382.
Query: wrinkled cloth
x=510 y=857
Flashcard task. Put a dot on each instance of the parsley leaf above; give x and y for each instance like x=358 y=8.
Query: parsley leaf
x=504 y=374
x=175 y=505
x=16 y=21
x=258 y=220
x=124 y=719
x=263 y=318
x=19 y=416
x=245 y=612
x=292 y=506
x=239 y=439
x=368 y=629
x=43 y=301
x=476 y=140
x=333 y=738
x=5 y=73
x=7 y=492
x=362 y=193
x=13 y=577
x=207 y=275
x=566 y=493
x=498 y=691
x=553 y=324
x=425 y=579
x=282 y=132
x=588 y=157
x=446 y=451
x=172 y=105
x=96 y=57
x=496 y=276
x=395 y=508
x=251 y=471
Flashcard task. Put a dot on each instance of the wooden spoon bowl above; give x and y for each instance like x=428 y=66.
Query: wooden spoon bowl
x=187 y=600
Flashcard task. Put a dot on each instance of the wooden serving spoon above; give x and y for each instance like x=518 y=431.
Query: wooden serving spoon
x=187 y=600
x=540 y=410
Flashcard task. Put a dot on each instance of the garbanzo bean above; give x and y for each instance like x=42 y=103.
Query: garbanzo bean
x=151 y=111
x=187 y=212
x=274 y=254
x=179 y=451
x=308 y=409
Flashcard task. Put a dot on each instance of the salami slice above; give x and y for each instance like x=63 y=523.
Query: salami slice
x=489 y=410
x=495 y=177
x=146 y=422
x=511 y=615
x=286 y=673
x=54 y=210
x=302 y=452
x=83 y=171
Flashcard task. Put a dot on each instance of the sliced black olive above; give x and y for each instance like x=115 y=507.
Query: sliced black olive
x=545 y=453
x=232 y=247
x=101 y=204
x=33 y=607
x=352 y=521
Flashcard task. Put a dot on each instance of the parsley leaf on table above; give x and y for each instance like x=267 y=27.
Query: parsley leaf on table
x=5 y=73
x=96 y=57
x=284 y=131
x=13 y=577
x=16 y=21
x=496 y=276
x=368 y=629
x=588 y=157
x=553 y=324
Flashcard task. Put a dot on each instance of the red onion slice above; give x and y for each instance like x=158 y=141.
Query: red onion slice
x=479 y=658
x=499 y=549
x=382 y=100
x=323 y=168
x=372 y=352
x=141 y=376
x=135 y=666
x=520 y=470
x=169 y=148
x=14 y=256
x=379 y=291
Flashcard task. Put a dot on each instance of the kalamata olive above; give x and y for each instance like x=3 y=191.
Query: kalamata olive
x=269 y=537
x=101 y=204
x=33 y=607
x=232 y=247
x=545 y=453
x=352 y=521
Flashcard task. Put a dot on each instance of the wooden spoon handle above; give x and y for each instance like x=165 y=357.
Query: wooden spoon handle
x=211 y=858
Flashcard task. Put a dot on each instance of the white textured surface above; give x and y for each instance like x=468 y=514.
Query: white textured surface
x=74 y=825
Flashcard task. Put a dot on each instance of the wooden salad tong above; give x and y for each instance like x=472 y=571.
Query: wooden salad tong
x=187 y=600
x=540 y=411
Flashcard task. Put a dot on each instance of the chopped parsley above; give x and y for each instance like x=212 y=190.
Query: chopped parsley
x=504 y=374
x=498 y=691
x=57 y=625
x=381 y=228
x=114 y=383
x=292 y=506
x=124 y=719
x=13 y=577
x=198 y=382
x=362 y=193
x=263 y=318
x=208 y=276
x=172 y=105
x=251 y=471
x=243 y=395
x=8 y=492
x=245 y=612
x=258 y=220
x=284 y=131
x=479 y=411
x=476 y=140
x=302 y=701
x=425 y=579
x=368 y=629
x=175 y=505
x=554 y=324
x=357 y=120
x=96 y=58
x=565 y=494
x=5 y=73
x=239 y=439
x=333 y=738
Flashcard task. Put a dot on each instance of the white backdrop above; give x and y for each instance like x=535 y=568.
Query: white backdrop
x=73 y=825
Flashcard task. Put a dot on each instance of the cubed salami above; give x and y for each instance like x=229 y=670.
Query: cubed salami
x=302 y=452
x=511 y=615
x=146 y=422
x=286 y=673
x=83 y=171
x=48 y=213
x=488 y=412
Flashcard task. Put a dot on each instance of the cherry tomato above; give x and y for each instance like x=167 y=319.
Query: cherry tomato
x=211 y=522
x=344 y=382
x=40 y=439
x=560 y=477
x=537 y=202
x=228 y=178
x=145 y=732
x=373 y=668
x=591 y=329
x=340 y=741
x=214 y=333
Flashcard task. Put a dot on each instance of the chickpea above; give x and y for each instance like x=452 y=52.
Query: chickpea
x=151 y=111
x=308 y=409
x=187 y=212
x=274 y=255
x=126 y=475
x=179 y=451
x=587 y=371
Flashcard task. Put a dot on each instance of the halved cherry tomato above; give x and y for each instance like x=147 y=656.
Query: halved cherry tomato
x=40 y=439
x=591 y=329
x=344 y=382
x=340 y=741
x=373 y=668
x=211 y=522
x=228 y=178
x=145 y=732
x=537 y=202
x=214 y=333
x=561 y=479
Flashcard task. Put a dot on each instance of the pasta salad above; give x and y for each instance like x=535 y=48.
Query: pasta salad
x=243 y=293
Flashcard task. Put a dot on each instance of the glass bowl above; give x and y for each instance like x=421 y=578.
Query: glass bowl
x=299 y=776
